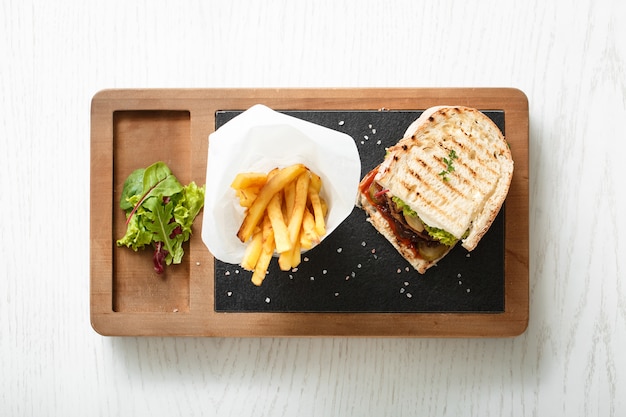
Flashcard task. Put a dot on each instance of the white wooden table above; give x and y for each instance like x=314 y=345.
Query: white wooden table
x=569 y=59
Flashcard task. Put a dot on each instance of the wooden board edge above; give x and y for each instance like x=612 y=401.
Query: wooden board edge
x=100 y=277
x=511 y=323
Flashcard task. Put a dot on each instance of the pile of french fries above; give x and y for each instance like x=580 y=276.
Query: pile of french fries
x=284 y=214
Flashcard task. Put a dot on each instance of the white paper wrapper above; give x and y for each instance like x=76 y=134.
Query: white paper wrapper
x=259 y=140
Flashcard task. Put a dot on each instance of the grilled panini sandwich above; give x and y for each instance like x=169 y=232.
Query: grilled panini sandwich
x=444 y=182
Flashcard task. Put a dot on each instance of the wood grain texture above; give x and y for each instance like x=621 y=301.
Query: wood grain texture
x=152 y=125
x=568 y=57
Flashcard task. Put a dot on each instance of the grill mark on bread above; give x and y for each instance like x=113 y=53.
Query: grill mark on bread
x=429 y=190
x=473 y=182
x=411 y=188
x=427 y=202
x=474 y=149
x=455 y=196
x=461 y=150
x=447 y=183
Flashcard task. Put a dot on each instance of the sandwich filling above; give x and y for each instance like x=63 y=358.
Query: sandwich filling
x=428 y=243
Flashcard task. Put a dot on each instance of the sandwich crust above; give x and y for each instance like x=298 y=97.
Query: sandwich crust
x=454 y=168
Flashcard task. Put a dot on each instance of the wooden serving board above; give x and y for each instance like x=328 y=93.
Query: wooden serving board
x=134 y=128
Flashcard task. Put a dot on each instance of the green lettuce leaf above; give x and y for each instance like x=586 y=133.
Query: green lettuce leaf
x=159 y=212
x=158 y=180
x=133 y=188
x=188 y=207
x=160 y=223
x=137 y=235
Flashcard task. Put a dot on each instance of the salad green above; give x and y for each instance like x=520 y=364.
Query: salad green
x=159 y=213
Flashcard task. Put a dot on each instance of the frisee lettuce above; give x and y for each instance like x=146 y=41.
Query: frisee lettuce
x=159 y=213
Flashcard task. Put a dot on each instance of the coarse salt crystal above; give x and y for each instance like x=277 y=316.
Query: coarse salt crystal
x=227 y=273
x=378 y=142
x=402 y=290
x=358 y=265
x=336 y=294
x=409 y=295
x=267 y=300
x=399 y=270
x=229 y=293
x=324 y=271
x=363 y=243
x=341 y=122
x=306 y=259
x=339 y=250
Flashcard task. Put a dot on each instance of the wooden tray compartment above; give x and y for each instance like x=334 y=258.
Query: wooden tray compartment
x=137 y=136
x=134 y=128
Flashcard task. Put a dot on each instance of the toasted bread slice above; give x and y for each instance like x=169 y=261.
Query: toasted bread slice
x=454 y=168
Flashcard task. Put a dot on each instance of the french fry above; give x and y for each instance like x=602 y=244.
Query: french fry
x=295 y=222
x=284 y=214
x=316 y=182
x=247 y=186
x=253 y=251
x=308 y=234
x=275 y=214
x=247 y=196
x=318 y=212
x=324 y=207
x=260 y=269
x=284 y=260
x=256 y=210
x=296 y=257
x=290 y=198
x=272 y=173
x=249 y=180
x=290 y=259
